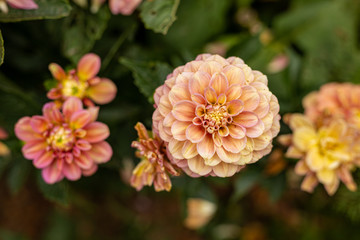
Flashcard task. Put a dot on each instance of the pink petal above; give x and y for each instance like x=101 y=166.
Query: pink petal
x=124 y=7
x=236 y=131
x=184 y=110
x=103 y=92
x=211 y=67
x=39 y=124
x=189 y=150
x=197 y=98
x=54 y=93
x=226 y=156
x=100 y=152
x=234 y=107
x=178 y=130
x=169 y=120
x=233 y=92
x=57 y=71
x=263 y=107
x=52 y=113
x=195 y=133
x=250 y=98
x=165 y=105
x=44 y=160
x=88 y=66
x=179 y=92
x=210 y=95
x=22 y=4
x=233 y=145
x=79 y=119
x=24 y=131
x=53 y=172
x=70 y=106
x=219 y=83
x=83 y=145
x=94 y=112
x=246 y=119
x=199 y=82
x=32 y=150
x=217 y=139
x=90 y=171
x=235 y=75
x=96 y=132
x=72 y=171
x=206 y=147
x=175 y=148
x=256 y=130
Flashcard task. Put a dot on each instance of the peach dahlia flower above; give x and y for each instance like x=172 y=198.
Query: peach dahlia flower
x=20 y=4
x=215 y=115
x=82 y=82
x=154 y=166
x=67 y=143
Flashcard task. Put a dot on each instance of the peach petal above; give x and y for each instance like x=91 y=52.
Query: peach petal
x=227 y=156
x=90 y=171
x=169 y=120
x=211 y=67
x=84 y=162
x=197 y=98
x=32 y=150
x=199 y=82
x=195 y=133
x=83 y=145
x=206 y=147
x=100 y=152
x=236 y=131
x=178 y=130
x=52 y=113
x=189 y=150
x=210 y=95
x=219 y=83
x=70 y=106
x=96 y=132
x=94 y=113
x=301 y=168
x=215 y=160
x=198 y=166
x=233 y=92
x=72 y=171
x=56 y=71
x=250 y=98
x=225 y=169
x=255 y=131
x=223 y=131
x=88 y=66
x=235 y=75
x=309 y=183
x=179 y=92
x=192 y=66
x=263 y=141
x=246 y=119
x=162 y=133
x=24 y=131
x=233 y=145
x=79 y=119
x=221 y=99
x=53 y=172
x=54 y=93
x=217 y=139
x=263 y=107
x=200 y=111
x=235 y=107
x=332 y=187
x=175 y=148
x=44 y=160
x=184 y=110
x=103 y=92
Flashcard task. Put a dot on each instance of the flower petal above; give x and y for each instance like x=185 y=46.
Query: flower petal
x=246 y=119
x=219 y=83
x=53 y=172
x=72 y=171
x=255 y=131
x=84 y=161
x=195 y=133
x=233 y=92
x=235 y=75
x=90 y=171
x=70 y=106
x=52 y=113
x=211 y=67
x=83 y=145
x=304 y=137
x=210 y=95
x=79 y=119
x=22 y=4
x=206 y=147
x=250 y=98
x=215 y=160
x=309 y=183
x=189 y=150
x=175 y=148
x=100 y=152
x=225 y=169
x=235 y=107
x=233 y=145
x=178 y=130
x=198 y=166
x=56 y=71
x=24 y=131
x=32 y=150
x=236 y=131
x=184 y=110
x=227 y=156
x=103 y=92
x=96 y=132
x=179 y=92
x=44 y=160
x=199 y=82
x=88 y=66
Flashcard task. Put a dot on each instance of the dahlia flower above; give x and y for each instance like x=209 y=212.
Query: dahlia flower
x=334 y=100
x=67 y=143
x=124 y=7
x=327 y=154
x=199 y=212
x=215 y=115
x=82 y=82
x=154 y=166
x=20 y=4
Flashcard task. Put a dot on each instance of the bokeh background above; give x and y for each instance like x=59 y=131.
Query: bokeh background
x=298 y=44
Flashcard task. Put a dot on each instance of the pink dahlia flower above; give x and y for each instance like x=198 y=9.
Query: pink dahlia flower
x=67 y=143
x=215 y=115
x=82 y=82
x=124 y=7
x=154 y=166
x=20 y=4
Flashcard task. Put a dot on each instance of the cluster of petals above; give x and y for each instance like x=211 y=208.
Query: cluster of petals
x=154 y=167
x=124 y=7
x=19 y=4
x=215 y=115
x=327 y=153
x=82 y=82
x=65 y=143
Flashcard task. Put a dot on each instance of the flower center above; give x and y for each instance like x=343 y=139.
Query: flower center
x=73 y=88
x=61 y=138
x=214 y=117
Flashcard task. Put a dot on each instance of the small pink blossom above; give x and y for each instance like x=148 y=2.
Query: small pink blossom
x=20 y=4
x=82 y=82
x=124 y=7
x=67 y=143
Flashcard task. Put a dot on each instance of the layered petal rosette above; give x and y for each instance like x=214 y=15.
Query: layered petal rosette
x=67 y=143
x=327 y=154
x=19 y=4
x=215 y=115
x=82 y=82
x=154 y=166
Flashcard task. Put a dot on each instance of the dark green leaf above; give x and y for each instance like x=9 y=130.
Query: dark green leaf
x=57 y=192
x=50 y=9
x=244 y=182
x=159 y=15
x=18 y=174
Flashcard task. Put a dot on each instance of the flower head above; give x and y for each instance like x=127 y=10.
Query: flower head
x=154 y=166
x=82 y=82
x=215 y=115
x=125 y=7
x=327 y=154
x=20 y=4
x=67 y=143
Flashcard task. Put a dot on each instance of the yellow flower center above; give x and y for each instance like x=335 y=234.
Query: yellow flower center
x=215 y=117
x=74 y=88
x=61 y=138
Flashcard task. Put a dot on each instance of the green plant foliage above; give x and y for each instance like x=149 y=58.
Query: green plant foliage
x=58 y=192
x=159 y=15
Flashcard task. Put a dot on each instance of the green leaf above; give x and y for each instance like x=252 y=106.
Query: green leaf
x=9 y=235
x=1 y=49
x=244 y=182
x=48 y=9
x=159 y=15
x=18 y=174
x=58 y=192
x=81 y=36
x=148 y=75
